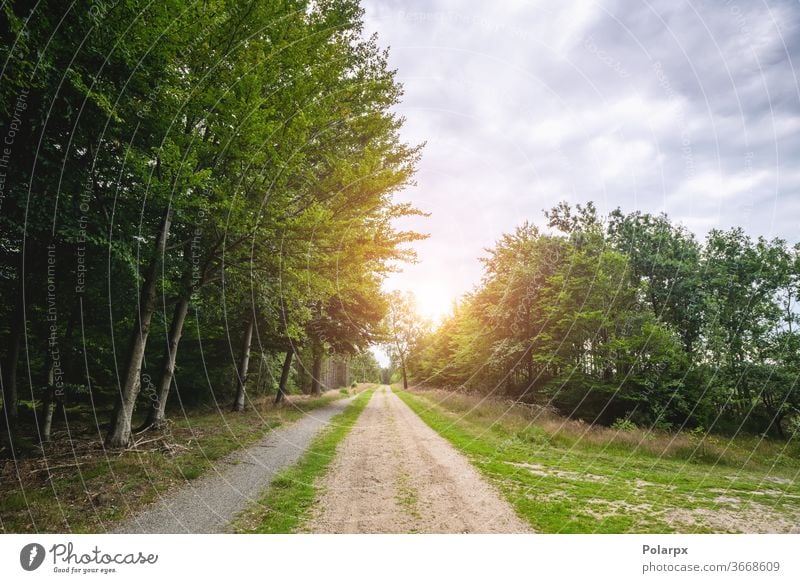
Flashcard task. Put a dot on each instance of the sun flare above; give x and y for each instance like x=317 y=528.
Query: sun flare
x=434 y=301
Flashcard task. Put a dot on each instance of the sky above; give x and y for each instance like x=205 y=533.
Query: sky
x=691 y=108
x=687 y=107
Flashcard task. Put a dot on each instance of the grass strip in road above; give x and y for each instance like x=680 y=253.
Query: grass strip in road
x=561 y=481
x=292 y=492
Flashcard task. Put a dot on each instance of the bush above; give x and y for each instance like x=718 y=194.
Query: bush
x=624 y=424
x=793 y=427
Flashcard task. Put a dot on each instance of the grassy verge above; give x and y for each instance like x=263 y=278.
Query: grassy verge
x=563 y=476
x=292 y=492
x=77 y=486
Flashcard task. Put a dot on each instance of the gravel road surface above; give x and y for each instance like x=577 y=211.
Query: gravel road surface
x=207 y=504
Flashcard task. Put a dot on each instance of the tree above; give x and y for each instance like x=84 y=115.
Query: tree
x=666 y=259
x=403 y=329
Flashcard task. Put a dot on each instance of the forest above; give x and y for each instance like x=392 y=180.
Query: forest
x=193 y=196
x=628 y=320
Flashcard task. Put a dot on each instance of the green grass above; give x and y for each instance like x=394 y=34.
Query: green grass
x=566 y=477
x=87 y=488
x=407 y=497
x=292 y=492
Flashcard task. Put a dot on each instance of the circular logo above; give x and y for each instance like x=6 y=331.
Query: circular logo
x=31 y=556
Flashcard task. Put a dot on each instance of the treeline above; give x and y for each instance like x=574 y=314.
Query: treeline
x=190 y=192
x=630 y=317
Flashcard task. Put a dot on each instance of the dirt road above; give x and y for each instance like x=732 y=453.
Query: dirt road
x=394 y=474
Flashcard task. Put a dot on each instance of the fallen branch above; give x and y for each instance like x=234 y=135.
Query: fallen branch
x=51 y=468
x=142 y=442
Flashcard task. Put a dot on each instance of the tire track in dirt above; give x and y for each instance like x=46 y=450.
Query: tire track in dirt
x=394 y=474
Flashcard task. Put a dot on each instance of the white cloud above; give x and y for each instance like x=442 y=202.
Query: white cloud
x=689 y=109
x=716 y=187
x=613 y=157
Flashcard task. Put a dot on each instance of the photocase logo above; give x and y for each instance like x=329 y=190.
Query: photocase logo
x=31 y=556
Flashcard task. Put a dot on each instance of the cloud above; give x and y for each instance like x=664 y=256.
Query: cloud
x=691 y=108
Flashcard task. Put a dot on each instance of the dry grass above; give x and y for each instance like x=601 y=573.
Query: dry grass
x=539 y=421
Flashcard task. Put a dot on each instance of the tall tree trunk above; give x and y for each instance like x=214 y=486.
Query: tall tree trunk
x=304 y=375
x=57 y=377
x=778 y=423
x=155 y=415
x=9 y=372
x=244 y=362
x=8 y=378
x=287 y=367
x=50 y=402
x=529 y=366
x=119 y=434
x=316 y=368
x=403 y=371
x=192 y=282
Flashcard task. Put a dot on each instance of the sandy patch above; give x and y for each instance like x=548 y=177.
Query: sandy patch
x=545 y=471
x=753 y=518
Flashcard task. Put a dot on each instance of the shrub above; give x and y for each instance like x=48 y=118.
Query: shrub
x=624 y=424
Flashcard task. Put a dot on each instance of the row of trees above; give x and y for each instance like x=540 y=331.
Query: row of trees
x=629 y=317
x=185 y=184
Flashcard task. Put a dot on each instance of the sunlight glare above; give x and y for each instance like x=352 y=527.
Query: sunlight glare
x=434 y=301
